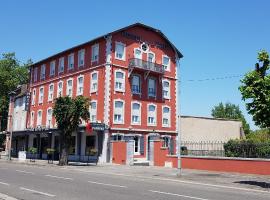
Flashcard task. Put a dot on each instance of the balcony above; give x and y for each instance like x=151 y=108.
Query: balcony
x=145 y=66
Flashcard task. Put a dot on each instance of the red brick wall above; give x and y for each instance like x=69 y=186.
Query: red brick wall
x=247 y=166
x=160 y=154
x=119 y=152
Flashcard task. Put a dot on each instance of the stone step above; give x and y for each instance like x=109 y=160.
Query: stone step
x=141 y=163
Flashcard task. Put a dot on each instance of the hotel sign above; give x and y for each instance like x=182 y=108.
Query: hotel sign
x=138 y=38
x=98 y=126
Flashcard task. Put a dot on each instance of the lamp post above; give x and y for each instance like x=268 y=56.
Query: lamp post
x=179 y=164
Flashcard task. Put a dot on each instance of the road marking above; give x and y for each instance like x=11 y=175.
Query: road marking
x=6 y=197
x=3 y=183
x=107 y=184
x=59 y=177
x=179 y=195
x=37 y=192
x=25 y=172
x=176 y=181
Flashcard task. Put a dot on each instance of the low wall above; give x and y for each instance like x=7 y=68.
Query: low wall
x=119 y=152
x=160 y=154
x=222 y=164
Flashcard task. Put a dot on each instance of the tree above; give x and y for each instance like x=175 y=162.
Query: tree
x=68 y=113
x=255 y=91
x=230 y=111
x=12 y=74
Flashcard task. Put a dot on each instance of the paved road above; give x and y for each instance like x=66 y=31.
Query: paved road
x=26 y=182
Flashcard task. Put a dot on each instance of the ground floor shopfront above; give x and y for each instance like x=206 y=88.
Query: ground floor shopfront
x=101 y=140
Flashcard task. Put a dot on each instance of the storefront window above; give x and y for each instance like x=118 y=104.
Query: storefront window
x=90 y=144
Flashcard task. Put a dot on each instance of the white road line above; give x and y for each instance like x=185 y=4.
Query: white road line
x=179 y=195
x=38 y=192
x=177 y=181
x=25 y=172
x=3 y=183
x=59 y=177
x=6 y=197
x=107 y=184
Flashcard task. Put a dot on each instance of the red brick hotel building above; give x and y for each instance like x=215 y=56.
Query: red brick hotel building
x=130 y=75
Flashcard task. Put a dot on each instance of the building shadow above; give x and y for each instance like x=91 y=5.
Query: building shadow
x=261 y=184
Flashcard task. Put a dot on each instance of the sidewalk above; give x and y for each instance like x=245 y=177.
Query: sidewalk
x=255 y=182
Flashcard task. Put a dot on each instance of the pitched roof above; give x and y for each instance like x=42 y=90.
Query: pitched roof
x=116 y=31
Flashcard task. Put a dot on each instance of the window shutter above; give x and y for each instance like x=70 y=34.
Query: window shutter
x=141 y=145
x=171 y=146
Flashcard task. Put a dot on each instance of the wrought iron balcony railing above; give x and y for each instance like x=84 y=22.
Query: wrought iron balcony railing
x=145 y=65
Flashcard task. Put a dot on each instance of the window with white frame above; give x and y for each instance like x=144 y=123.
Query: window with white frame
x=32 y=119
x=151 y=115
x=60 y=88
x=69 y=87
x=70 y=61
x=93 y=111
x=118 y=117
x=50 y=93
x=119 y=81
x=52 y=68
x=136 y=113
x=151 y=57
x=41 y=95
x=33 y=97
x=166 y=89
x=49 y=118
x=94 y=82
x=138 y=53
x=152 y=87
x=136 y=84
x=42 y=72
x=117 y=137
x=95 y=53
x=166 y=62
x=166 y=116
x=166 y=141
x=35 y=74
x=81 y=58
x=39 y=118
x=80 y=85
x=120 y=51
x=61 y=65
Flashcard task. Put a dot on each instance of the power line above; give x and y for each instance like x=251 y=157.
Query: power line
x=213 y=78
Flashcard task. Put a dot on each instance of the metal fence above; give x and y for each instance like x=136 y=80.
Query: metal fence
x=203 y=148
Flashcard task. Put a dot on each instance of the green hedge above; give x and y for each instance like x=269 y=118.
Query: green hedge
x=247 y=149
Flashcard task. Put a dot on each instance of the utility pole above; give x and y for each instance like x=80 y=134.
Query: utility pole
x=179 y=164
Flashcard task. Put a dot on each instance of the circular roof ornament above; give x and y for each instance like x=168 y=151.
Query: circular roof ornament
x=144 y=47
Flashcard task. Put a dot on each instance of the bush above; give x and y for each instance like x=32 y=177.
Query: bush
x=32 y=150
x=247 y=148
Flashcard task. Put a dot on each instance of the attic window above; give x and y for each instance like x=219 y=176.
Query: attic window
x=144 y=47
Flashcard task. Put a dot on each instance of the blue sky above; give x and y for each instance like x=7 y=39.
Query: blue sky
x=217 y=38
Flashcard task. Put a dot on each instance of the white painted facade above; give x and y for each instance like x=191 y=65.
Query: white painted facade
x=19 y=114
x=203 y=129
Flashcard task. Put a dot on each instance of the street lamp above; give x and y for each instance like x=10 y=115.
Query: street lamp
x=179 y=164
